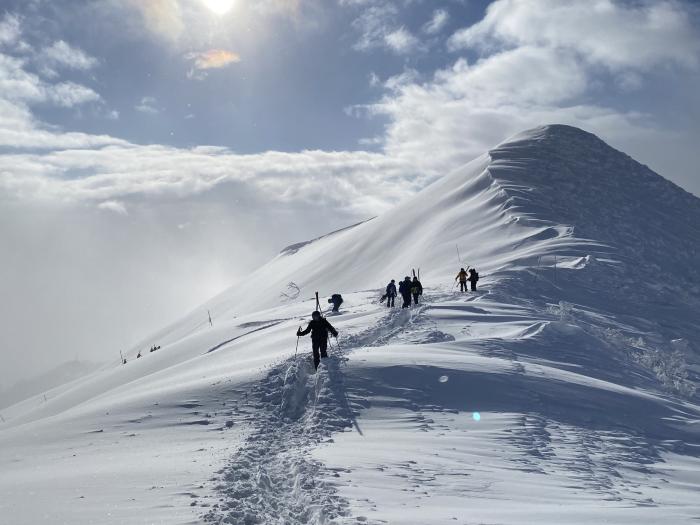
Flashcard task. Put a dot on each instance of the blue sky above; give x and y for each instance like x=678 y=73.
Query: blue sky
x=299 y=69
x=153 y=152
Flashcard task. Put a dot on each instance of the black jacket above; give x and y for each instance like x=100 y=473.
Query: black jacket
x=416 y=288
x=319 y=330
x=391 y=290
x=405 y=287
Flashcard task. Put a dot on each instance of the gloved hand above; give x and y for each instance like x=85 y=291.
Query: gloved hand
x=298 y=333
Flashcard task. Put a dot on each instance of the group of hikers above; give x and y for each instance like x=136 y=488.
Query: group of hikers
x=410 y=290
x=407 y=288
x=462 y=276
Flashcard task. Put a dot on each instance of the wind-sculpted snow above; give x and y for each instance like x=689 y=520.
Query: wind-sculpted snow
x=563 y=391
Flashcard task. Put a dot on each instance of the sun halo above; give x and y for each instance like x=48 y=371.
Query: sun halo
x=219 y=7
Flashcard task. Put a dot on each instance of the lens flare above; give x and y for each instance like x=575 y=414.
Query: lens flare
x=219 y=7
x=476 y=416
x=444 y=379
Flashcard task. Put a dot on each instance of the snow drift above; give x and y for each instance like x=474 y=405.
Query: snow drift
x=568 y=379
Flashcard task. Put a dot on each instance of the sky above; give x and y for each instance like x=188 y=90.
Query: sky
x=154 y=152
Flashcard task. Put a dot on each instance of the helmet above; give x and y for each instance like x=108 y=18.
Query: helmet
x=393 y=281
x=316 y=315
x=461 y=269
x=407 y=278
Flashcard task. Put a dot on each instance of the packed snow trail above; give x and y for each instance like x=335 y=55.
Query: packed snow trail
x=272 y=477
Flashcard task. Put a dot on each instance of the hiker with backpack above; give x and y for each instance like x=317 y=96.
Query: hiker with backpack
x=337 y=300
x=319 y=328
x=390 y=294
x=416 y=289
x=473 y=278
x=405 y=291
x=462 y=277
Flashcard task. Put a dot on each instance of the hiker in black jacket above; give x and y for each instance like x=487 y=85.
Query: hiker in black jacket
x=405 y=291
x=416 y=289
x=390 y=293
x=336 y=299
x=319 y=328
x=473 y=278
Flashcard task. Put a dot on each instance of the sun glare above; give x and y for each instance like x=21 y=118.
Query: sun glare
x=219 y=7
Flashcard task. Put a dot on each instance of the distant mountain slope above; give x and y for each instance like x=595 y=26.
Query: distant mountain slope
x=57 y=376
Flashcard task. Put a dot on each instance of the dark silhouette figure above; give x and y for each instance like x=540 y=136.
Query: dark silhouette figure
x=416 y=289
x=462 y=278
x=390 y=293
x=337 y=300
x=319 y=328
x=473 y=278
x=405 y=291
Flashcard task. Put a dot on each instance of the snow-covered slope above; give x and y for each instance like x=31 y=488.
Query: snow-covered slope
x=563 y=391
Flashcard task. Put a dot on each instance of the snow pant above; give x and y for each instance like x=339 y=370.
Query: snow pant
x=336 y=306
x=322 y=346
x=473 y=286
x=415 y=298
x=406 y=300
x=390 y=300
x=462 y=286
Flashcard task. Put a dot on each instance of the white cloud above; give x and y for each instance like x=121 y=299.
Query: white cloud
x=373 y=25
x=617 y=35
x=10 y=30
x=379 y=28
x=401 y=41
x=69 y=94
x=117 y=207
x=16 y=84
x=148 y=106
x=437 y=23
x=62 y=54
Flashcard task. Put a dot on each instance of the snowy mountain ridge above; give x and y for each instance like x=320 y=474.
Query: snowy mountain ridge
x=564 y=391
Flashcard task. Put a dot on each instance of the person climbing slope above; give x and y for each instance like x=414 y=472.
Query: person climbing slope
x=405 y=291
x=319 y=328
x=416 y=289
x=462 y=277
x=473 y=278
x=390 y=293
x=337 y=300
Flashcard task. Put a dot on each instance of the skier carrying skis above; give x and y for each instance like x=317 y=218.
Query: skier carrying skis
x=416 y=289
x=319 y=328
x=473 y=278
x=462 y=277
x=405 y=291
x=337 y=300
x=390 y=293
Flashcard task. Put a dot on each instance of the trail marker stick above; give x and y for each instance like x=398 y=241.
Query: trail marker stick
x=209 y=314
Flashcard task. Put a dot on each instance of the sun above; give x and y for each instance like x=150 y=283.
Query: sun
x=219 y=7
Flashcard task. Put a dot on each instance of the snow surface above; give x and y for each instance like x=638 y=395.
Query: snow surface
x=562 y=392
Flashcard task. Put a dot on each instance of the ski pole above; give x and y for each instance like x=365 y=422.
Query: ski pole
x=297 y=349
